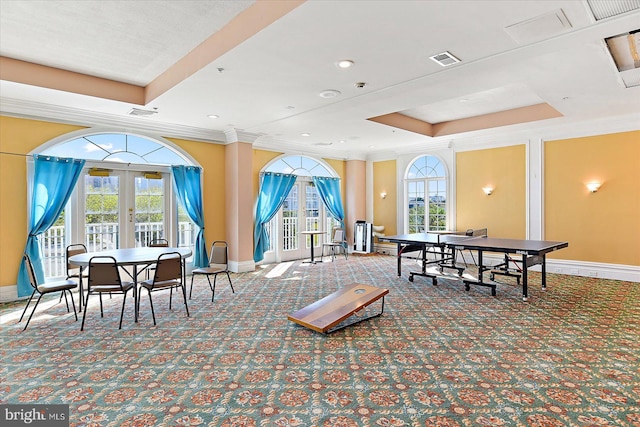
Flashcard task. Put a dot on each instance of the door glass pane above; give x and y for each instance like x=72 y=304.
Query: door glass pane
x=186 y=230
x=101 y=212
x=437 y=205
x=312 y=211
x=52 y=244
x=415 y=193
x=149 y=213
x=290 y=220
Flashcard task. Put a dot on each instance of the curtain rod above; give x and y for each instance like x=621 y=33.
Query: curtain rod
x=15 y=154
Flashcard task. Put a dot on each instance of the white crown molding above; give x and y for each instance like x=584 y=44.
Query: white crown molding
x=47 y=112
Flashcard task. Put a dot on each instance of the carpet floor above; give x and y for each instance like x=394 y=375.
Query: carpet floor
x=438 y=356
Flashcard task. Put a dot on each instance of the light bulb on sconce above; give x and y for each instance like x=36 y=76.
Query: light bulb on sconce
x=383 y=195
x=487 y=190
x=593 y=186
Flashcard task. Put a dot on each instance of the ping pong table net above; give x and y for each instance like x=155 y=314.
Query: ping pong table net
x=473 y=233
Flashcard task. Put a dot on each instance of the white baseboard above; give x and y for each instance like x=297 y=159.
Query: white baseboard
x=242 y=266
x=8 y=293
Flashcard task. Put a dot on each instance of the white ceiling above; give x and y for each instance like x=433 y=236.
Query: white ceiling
x=268 y=91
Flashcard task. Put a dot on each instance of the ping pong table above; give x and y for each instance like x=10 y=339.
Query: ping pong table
x=532 y=252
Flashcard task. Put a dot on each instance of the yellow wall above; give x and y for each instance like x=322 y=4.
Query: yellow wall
x=385 y=210
x=603 y=226
x=18 y=136
x=21 y=136
x=260 y=159
x=503 y=213
x=211 y=159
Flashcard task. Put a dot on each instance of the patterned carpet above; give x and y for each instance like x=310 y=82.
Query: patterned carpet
x=438 y=356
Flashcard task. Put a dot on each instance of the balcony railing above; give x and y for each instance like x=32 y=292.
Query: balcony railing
x=103 y=237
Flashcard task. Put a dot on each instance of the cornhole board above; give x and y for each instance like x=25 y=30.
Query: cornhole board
x=326 y=313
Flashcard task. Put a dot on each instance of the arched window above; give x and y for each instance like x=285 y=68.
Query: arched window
x=426 y=195
x=302 y=210
x=124 y=198
x=299 y=165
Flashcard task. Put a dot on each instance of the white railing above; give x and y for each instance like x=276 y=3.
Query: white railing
x=289 y=233
x=102 y=237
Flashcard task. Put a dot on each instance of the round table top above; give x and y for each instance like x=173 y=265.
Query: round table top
x=129 y=256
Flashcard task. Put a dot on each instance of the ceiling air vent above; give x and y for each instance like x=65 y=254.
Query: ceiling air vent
x=141 y=112
x=444 y=59
x=539 y=28
x=603 y=9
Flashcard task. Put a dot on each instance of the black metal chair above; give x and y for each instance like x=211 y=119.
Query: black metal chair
x=63 y=286
x=218 y=263
x=168 y=275
x=104 y=277
x=338 y=240
x=156 y=243
x=73 y=271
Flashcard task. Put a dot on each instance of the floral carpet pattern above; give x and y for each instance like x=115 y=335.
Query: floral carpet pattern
x=438 y=356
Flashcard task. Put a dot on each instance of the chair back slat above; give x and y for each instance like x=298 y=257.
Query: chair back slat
x=72 y=250
x=103 y=270
x=219 y=253
x=168 y=267
x=159 y=243
x=30 y=273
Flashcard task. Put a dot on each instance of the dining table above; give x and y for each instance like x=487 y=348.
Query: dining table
x=138 y=258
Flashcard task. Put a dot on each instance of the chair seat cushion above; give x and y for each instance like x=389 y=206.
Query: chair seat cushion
x=149 y=284
x=213 y=269
x=112 y=288
x=60 y=285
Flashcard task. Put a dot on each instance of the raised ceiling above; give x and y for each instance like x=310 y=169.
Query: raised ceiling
x=261 y=67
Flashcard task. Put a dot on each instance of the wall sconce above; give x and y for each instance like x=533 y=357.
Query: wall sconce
x=383 y=194
x=487 y=190
x=593 y=186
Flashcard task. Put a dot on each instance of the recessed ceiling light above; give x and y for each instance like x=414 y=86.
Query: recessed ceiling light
x=345 y=63
x=305 y=134
x=341 y=141
x=330 y=93
x=213 y=116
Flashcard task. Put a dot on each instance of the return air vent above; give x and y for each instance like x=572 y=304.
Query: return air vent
x=539 y=28
x=141 y=112
x=603 y=9
x=444 y=59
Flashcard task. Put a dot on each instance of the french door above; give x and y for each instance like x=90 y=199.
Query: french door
x=302 y=210
x=122 y=209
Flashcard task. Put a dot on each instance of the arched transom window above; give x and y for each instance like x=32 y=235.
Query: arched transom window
x=117 y=147
x=299 y=165
x=426 y=195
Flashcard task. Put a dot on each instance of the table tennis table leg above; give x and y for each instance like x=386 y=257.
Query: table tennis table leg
x=544 y=272
x=136 y=298
x=525 y=290
x=399 y=259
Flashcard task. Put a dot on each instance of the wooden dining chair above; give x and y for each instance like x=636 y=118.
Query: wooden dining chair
x=218 y=263
x=63 y=286
x=168 y=275
x=104 y=277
